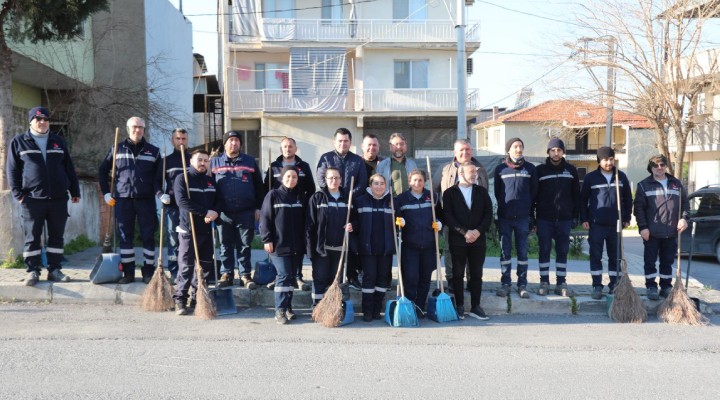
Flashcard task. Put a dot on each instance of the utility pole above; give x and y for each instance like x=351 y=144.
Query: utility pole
x=461 y=73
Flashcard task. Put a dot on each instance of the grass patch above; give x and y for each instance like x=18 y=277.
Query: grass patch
x=79 y=244
x=13 y=262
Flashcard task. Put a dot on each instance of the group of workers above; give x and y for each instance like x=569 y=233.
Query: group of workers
x=360 y=203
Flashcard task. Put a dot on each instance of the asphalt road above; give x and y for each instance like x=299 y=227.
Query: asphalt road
x=102 y=352
x=704 y=269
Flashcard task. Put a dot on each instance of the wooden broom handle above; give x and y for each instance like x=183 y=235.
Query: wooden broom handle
x=437 y=246
x=345 y=236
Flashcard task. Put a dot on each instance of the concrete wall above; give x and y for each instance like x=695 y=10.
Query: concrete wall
x=83 y=220
x=378 y=67
x=168 y=42
x=73 y=58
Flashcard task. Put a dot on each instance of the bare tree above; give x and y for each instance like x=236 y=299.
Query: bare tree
x=657 y=57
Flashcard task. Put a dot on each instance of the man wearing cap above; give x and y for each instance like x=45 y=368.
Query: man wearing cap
x=136 y=185
x=239 y=184
x=515 y=190
x=557 y=207
x=40 y=173
x=173 y=169
x=449 y=177
x=658 y=200
x=305 y=184
x=599 y=214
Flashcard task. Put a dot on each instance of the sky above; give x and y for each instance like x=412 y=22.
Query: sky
x=522 y=44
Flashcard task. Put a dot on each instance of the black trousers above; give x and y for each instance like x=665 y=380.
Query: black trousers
x=35 y=215
x=186 y=276
x=474 y=257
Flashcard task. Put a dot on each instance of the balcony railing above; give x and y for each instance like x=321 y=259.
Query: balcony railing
x=368 y=100
x=706 y=134
x=365 y=31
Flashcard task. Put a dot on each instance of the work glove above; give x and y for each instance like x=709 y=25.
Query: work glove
x=400 y=221
x=165 y=199
x=437 y=225
x=109 y=200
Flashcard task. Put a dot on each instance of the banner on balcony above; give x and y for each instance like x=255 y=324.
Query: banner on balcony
x=246 y=22
x=318 y=79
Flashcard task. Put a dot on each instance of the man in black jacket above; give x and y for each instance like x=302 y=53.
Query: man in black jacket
x=173 y=168
x=467 y=211
x=658 y=199
x=40 y=173
x=195 y=199
x=557 y=206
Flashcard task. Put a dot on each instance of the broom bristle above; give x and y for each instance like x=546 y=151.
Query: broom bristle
x=678 y=308
x=404 y=315
x=627 y=306
x=158 y=293
x=205 y=308
x=329 y=311
x=445 y=309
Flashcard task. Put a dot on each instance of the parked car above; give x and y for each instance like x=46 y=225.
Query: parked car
x=705 y=213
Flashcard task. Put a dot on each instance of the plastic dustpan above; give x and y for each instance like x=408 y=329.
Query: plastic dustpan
x=106 y=269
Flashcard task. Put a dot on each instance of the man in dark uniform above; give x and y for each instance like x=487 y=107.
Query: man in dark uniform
x=136 y=184
x=173 y=168
x=40 y=172
x=201 y=203
x=239 y=183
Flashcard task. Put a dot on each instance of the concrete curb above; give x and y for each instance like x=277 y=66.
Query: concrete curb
x=131 y=295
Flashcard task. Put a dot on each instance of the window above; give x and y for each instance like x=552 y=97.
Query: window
x=278 y=8
x=410 y=10
x=332 y=9
x=411 y=74
x=272 y=76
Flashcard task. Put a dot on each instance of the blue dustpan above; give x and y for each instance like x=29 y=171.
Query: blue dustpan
x=106 y=269
x=349 y=313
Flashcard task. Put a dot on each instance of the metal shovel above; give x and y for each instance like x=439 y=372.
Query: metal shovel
x=223 y=297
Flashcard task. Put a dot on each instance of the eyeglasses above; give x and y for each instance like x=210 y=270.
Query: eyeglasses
x=660 y=165
x=332 y=178
x=42 y=119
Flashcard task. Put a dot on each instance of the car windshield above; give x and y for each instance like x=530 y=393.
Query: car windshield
x=705 y=205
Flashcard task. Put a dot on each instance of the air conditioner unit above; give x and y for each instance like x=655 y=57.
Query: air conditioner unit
x=469 y=66
x=553 y=132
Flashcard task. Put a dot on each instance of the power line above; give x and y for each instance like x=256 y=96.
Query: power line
x=529 y=84
x=278 y=11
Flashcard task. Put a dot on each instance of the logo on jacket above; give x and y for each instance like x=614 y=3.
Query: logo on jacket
x=55 y=146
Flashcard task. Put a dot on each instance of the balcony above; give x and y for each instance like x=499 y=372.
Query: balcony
x=366 y=100
x=360 y=31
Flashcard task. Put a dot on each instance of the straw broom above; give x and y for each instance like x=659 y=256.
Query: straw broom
x=626 y=306
x=205 y=308
x=329 y=311
x=158 y=293
x=677 y=307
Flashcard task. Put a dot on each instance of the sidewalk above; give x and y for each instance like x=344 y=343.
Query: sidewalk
x=81 y=291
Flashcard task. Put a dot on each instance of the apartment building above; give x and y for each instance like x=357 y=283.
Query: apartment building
x=304 y=68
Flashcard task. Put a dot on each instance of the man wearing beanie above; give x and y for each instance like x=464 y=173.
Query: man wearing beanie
x=557 y=207
x=40 y=173
x=137 y=182
x=515 y=190
x=239 y=183
x=599 y=214
x=657 y=201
